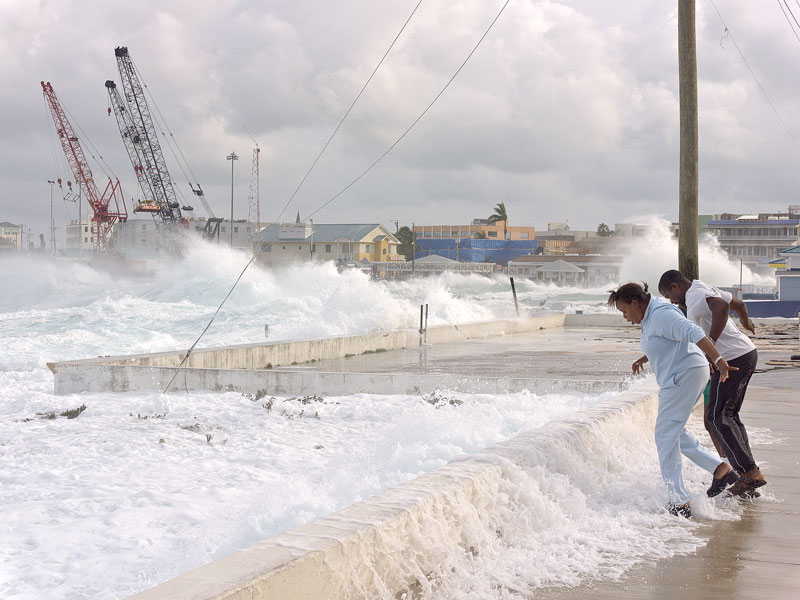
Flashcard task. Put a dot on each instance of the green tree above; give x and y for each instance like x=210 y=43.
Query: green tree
x=479 y=235
x=604 y=230
x=406 y=238
x=500 y=215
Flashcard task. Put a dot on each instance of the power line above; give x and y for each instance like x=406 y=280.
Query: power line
x=419 y=118
x=783 y=10
x=375 y=70
x=758 y=83
x=185 y=358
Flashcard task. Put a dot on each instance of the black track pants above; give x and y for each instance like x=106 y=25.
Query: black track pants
x=724 y=402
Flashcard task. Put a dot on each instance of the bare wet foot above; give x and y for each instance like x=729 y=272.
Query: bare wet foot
x=722 y=469
x=755 y=474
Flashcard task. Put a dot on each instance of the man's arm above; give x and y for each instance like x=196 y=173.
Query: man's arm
x=719 y=316
x=740 y=308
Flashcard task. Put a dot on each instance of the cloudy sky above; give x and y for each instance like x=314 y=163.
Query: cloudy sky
x=567 y=111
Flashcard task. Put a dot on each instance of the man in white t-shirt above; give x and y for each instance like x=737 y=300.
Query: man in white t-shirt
x=710 y=308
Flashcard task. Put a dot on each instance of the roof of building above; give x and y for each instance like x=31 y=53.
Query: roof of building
x=750 y=223
x=435 y=258
x=7 y=224
x=327 y=233
x=559 y=266
x=792 y=250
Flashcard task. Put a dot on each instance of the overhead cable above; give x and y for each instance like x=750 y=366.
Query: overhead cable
x=418 y=119
x=758 y=83
x=347 y=112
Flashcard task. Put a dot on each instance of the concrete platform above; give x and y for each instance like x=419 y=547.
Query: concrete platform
x=581 y=353
x=758 y=556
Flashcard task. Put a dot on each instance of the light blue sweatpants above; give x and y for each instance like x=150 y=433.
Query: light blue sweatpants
x=675 y=404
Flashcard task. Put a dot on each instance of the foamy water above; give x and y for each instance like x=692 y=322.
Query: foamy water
x=141 y=486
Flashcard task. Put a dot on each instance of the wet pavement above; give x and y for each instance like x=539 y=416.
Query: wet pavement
x=758 y=555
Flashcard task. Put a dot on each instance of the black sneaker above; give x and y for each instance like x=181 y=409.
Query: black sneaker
x=680 y=510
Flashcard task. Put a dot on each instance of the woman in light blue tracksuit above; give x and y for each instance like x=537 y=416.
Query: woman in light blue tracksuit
x=672 y=344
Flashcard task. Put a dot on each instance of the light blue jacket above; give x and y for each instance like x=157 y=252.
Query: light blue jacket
x=668 y=340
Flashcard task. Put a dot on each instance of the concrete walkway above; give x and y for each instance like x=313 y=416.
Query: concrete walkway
x=757 y=556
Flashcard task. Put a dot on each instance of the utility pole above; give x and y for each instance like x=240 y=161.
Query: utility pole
x=688 y=183
x=232 y=157
x=52 y=223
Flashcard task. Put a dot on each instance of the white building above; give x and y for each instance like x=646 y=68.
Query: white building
x=789 y=278
x=756 y=240
x=572 y=269
x=10 y=236
x=79 y=235
x=146 y=238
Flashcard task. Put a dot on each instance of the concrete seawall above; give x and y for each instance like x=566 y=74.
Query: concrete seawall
x=399 y=541
x=277 y=366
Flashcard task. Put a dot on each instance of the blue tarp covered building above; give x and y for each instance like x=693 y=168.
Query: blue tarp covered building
x=475 y=250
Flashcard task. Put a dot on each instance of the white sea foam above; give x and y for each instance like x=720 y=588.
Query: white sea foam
x=99 y=507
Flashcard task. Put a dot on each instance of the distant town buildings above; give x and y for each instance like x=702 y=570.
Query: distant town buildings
x=479 y=228
x=756 y=240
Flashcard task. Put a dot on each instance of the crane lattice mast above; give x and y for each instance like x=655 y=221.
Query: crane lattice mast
x=104 y=214
x=150 y=159
x=254 y=192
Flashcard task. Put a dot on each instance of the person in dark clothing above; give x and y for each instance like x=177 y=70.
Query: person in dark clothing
x=710 y=308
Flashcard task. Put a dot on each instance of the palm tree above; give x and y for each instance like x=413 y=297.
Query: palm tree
x=500 y=215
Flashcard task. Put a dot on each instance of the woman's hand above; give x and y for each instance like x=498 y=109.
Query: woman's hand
x=638 y=365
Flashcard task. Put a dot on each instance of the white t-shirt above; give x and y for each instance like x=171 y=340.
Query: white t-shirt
x=732 y=343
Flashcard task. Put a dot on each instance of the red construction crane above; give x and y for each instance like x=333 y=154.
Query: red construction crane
x=105 y=214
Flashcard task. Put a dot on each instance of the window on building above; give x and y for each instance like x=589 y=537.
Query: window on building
x=144 y=226
x=384 y=250
x=236 y=229
x=266 y=247
x=299 y=247
x=437 y=234
x=367 y=248
x=85 y=229
x=491 y=234
x=313 y=247
x=523 y=235
x=222 y=229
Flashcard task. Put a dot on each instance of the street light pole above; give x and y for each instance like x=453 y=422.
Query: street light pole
x=232 y=157
x=52 y=223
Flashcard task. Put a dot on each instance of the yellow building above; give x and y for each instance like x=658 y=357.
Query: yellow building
x=478 y=228
x=342 y=243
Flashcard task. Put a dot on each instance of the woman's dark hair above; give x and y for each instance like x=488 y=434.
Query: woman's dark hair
x=628 y=293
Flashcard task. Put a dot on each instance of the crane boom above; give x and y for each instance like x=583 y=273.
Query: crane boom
x=141 y=160
x=153 y=167
x=104 y=216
